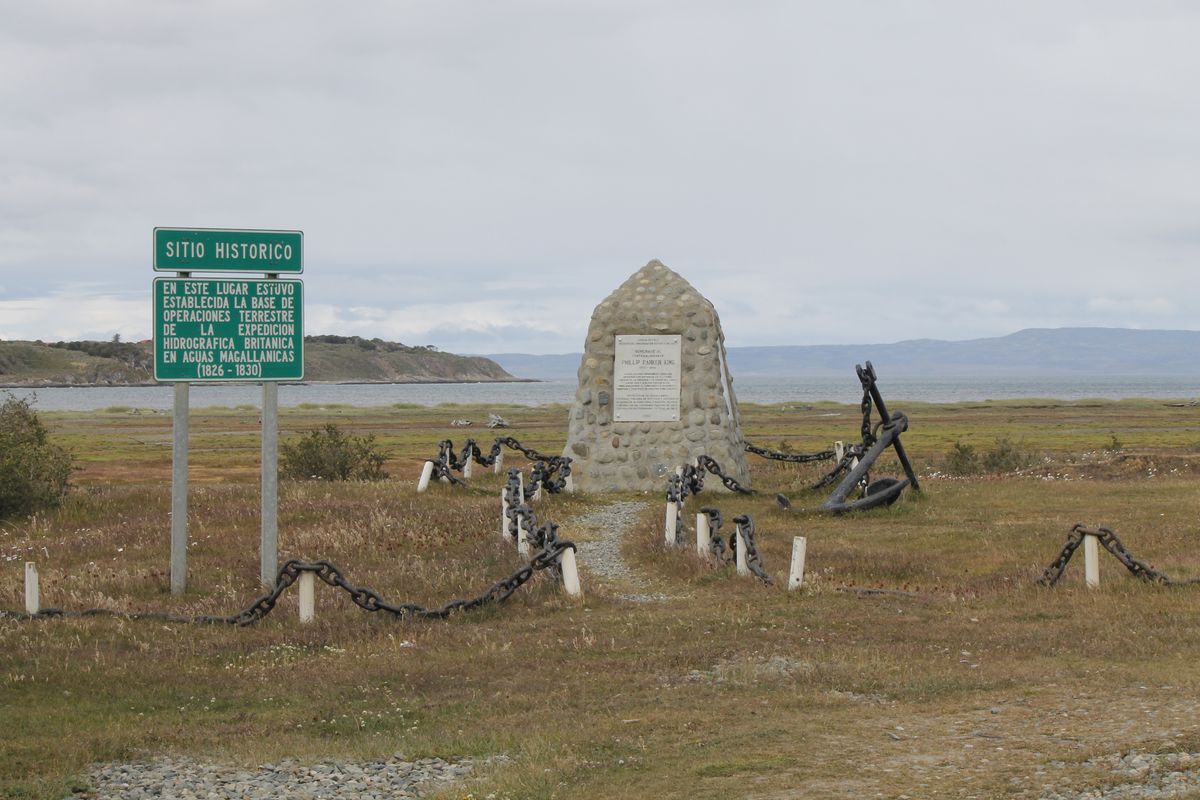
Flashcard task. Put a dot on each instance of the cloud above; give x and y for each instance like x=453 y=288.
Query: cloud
x=66 y=316
x=824 y=172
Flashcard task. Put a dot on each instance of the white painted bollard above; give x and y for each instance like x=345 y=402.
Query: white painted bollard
x=672 y=523
x=702 y=535
x=503 y=513
x=521 y=485
x=743 y=566
x=1091 y=560
x=839 y=451
x=522 y=537
x=426 y=474
x=467 y=467
x=570 y=572
x=796 y=575
x=308 y=597
x=33 y=599
x=537 y=493
x=499 y=463
x=569 y=484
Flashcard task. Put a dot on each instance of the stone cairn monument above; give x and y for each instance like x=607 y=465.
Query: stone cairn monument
x=654 y=389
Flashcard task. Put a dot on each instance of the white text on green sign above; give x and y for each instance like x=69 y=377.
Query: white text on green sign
x=208 y=329
x=228 y=250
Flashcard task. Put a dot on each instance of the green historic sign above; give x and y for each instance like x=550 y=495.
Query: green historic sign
x=217 y=250
x=209 y=329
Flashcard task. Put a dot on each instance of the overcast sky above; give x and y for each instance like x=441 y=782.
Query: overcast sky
x=478 y=176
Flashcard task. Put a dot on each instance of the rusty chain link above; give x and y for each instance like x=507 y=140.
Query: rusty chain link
x=795 y=458
x=1110 y=542
x=753 y=560
x=549 y=555
x=692 y=479
x=548 y=471
x=726 y=553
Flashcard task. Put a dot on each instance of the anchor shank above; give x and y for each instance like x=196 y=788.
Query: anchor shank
x=888 y=435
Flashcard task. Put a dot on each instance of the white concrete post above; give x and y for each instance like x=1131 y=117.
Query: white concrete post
x=308 y=597
x=470 y=462
x=839 y=451
x=522 y=537
x=537 y=493
x=796 y=575
x=702 y=535
x=426 y=474
x=570 y=572
x=521 y=485
x=569 y=484
x=743 y=566
x=1091 y=560
x=33 y=601
x=503 y=512
x=672 y=523
x=498 y=463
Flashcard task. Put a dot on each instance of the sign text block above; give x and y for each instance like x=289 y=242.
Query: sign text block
x=208 y=329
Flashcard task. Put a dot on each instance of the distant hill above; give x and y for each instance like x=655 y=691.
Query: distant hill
x=1030 y=352
x=345 y=359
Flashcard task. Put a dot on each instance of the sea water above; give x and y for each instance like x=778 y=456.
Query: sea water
x=765 y=390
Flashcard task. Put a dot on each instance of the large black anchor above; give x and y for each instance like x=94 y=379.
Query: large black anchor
x=885 y=434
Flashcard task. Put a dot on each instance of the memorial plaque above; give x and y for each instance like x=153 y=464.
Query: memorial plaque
x=228 y=330
x=646 y=378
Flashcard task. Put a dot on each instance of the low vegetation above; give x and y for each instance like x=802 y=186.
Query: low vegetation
x=1003 y=456
x=331 y=455
x=35 y=473
x=958 y=677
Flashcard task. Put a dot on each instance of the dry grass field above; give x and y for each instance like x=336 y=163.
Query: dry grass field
x=968 y=681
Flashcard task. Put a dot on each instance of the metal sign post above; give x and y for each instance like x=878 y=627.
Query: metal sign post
x=227 y=330
x=179 y=490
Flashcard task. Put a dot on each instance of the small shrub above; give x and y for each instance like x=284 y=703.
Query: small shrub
x=34 y=472
x=328 y=454
x=963 y=460
x=1006 y=456
x=1115 y=445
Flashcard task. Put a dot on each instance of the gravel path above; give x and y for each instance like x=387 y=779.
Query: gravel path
x=602 y=557
x=1141 y=776
x=186 y=779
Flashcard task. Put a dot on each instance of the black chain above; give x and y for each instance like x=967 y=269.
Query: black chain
x=867 y=378
x=709 y=463
x=1112 y=544
x=716 y=544
x=690 y=481
x=678 y=488
x=549 y=471
x=852 y=452
x=726 y=553
x=795 y=458
x=514 y=498
x=444 y=463
x=753 y=561
x=549 y=555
